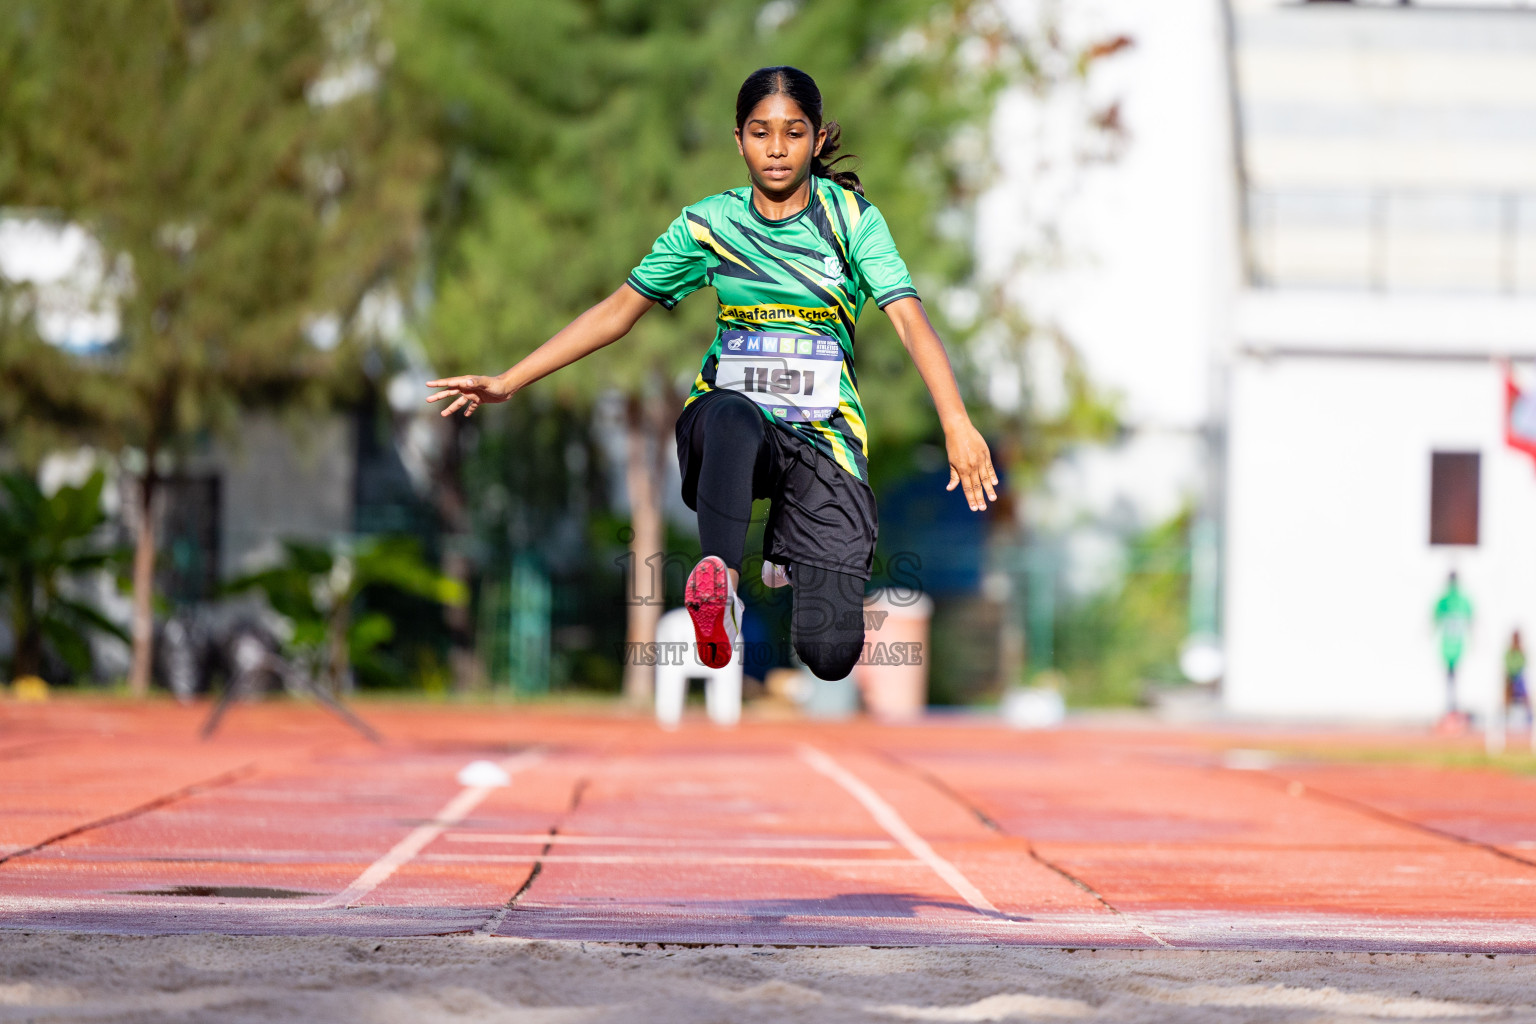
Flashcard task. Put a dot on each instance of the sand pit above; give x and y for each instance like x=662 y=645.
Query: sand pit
x=61 y=977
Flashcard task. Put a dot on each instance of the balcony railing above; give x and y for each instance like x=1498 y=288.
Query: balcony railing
x=1393 y=240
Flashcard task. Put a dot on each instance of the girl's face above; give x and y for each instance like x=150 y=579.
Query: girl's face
x=777 y=142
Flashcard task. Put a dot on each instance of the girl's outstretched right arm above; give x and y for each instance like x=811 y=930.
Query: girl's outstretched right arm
x=603 y=324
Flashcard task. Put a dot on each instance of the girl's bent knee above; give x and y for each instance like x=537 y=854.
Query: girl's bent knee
x=829 y=660
x=725 y=414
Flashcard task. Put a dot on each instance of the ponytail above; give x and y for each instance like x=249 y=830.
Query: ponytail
x=801 y=88
x=822 y=166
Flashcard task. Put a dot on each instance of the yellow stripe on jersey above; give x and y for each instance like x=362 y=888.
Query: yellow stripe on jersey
x=703 y=237
x=852 y=203
x=857 y=423
x=700 y=386
x=851 y=413
x=832 y=219
x=836 y=292
x=839 y=447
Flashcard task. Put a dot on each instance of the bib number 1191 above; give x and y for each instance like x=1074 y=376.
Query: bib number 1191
x=778 y=381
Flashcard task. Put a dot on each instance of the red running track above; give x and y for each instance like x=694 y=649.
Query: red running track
x=115 y=818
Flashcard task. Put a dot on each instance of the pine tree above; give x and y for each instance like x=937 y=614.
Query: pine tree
x=251 y=170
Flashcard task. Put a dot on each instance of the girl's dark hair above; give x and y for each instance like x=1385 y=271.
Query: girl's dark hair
x=801 y=88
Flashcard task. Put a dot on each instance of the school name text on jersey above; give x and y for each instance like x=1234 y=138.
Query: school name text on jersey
x=771 y=313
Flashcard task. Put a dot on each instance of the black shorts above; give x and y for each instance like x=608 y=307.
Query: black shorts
x=820 y=514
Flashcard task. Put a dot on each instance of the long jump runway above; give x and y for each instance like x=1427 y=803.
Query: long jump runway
x=114 y=818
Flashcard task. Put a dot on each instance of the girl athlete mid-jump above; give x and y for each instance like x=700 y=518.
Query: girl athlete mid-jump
x=774 y=411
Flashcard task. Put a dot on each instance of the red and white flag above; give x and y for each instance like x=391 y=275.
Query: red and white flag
x=1519 y=415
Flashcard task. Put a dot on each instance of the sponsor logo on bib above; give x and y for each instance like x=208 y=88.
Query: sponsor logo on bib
x=793 y=376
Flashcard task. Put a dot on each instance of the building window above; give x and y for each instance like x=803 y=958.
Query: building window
x=1453 y=492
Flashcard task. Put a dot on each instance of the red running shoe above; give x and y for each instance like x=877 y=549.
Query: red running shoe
x=716 y=611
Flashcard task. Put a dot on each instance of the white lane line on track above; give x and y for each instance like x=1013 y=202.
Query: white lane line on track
x=542 y=838
x=704 y=861
x=899 y=830
x=403 y=852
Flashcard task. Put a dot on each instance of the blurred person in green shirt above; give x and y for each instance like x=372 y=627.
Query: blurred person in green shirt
x=1453 y=620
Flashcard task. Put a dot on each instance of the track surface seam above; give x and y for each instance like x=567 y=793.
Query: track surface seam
x=964 y=802
x=222 y=779
x=1369 y=810
x=891 y=820
x=943 y=787
x=403 y=852
x=25 y=748
x=493 y=923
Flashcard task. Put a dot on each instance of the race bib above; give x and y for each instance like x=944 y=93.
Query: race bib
x=794 y=376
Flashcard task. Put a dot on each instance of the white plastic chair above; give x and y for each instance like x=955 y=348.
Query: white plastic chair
x=722 y=686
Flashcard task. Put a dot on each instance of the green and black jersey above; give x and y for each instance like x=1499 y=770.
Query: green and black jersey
x=808 y=274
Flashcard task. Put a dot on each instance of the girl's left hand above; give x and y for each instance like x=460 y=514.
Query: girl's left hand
x=970 y=465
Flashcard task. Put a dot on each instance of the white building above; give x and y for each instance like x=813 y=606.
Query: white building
x=1388 y=160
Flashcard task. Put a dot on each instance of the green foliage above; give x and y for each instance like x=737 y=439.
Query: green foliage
x=579 y=130
x=526 y=480
x=323 y=595
x=233 y=204
x=1109 y=645
x=45 y=541
x=248 y=171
